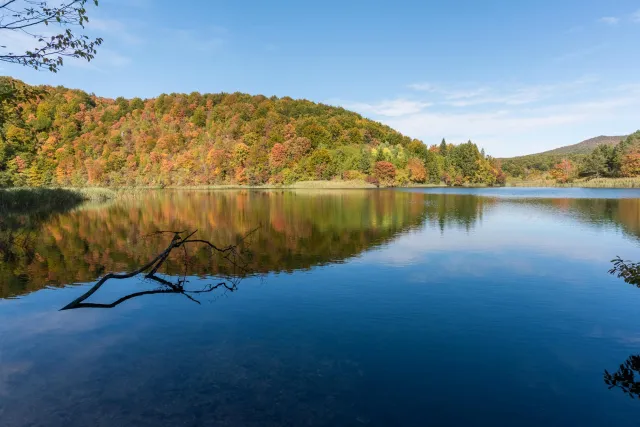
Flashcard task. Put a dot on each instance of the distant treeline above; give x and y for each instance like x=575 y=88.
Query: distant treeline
x=605 y=161
x=62 y=137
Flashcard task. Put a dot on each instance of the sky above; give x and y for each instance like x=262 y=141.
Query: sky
x=516 y=77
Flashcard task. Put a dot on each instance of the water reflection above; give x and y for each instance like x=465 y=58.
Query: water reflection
x=625 y=377
x=508 y=297
x=230 y=255
x=297 y=230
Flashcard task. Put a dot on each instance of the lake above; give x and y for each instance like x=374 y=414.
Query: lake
x=344 y=308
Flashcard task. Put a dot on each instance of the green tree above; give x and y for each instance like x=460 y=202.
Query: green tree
x=600 y=162
x=443 y=148
x=199 y=117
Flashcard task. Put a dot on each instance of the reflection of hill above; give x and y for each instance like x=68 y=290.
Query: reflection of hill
x=297 y=231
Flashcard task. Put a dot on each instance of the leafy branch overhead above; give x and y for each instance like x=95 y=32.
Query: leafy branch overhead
x=48 y=29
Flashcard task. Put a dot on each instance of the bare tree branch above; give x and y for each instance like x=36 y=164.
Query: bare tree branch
x=156 y=263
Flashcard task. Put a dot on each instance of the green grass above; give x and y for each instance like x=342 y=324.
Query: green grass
x=16 y=201
x=19 y=201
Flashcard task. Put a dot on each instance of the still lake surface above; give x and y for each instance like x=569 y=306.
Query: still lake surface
x=377 y=308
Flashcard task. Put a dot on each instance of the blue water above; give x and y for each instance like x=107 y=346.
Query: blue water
x=507 y=318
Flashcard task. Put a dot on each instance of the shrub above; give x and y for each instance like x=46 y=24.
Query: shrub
x=352 y=175
x=402 y=177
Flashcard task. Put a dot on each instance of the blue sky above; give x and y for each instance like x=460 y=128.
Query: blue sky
x=514 y=76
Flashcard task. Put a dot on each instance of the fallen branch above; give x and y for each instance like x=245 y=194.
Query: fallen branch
x=230 y=253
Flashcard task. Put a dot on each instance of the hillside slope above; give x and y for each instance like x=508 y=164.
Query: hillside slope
x=544 y=161
x=59 y=136
x=586 y=146
x=603 y=156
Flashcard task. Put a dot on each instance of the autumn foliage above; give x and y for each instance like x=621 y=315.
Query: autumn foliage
x=61 y=137
x=630 y=165
x=564 y=171
x=417 y=171
x=385 y=172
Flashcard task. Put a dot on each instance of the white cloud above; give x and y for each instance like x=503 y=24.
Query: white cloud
x=518 y=95
x=512 y=121
x=610 y=20
x=447 y=92
x=389 y=108
x=17 y=43
x=635 y=17
x=425 y=87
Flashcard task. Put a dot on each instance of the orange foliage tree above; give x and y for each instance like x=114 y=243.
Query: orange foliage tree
x=630 y=165
x=564 y=171
x=417 y=171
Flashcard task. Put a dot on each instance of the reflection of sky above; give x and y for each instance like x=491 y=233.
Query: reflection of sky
x=525 y=192
x=514 y=233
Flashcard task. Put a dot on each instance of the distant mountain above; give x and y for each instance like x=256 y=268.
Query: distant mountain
x=544 y=161
x=585 y=147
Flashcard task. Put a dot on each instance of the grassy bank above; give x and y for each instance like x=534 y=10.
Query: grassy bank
x=32 y=200
x=584 y=183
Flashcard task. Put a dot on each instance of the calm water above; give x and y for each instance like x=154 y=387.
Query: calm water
x=377 y=308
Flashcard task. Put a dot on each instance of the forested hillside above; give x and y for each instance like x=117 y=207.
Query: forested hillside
x=586 y=146
x=58 y=136
x=606 y=160
x=546 y=160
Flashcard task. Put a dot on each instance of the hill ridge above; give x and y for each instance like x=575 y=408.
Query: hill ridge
x=54 y=136
x=582 y=147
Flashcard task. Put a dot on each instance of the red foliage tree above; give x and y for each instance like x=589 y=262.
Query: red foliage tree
x=385 y=172
x=564 y=171
x=298 y=147
x=278 y=156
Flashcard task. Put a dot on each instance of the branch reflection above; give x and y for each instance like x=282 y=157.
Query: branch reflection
x=231 y=254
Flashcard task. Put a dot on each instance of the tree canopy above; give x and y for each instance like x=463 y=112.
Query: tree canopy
x=58 y=136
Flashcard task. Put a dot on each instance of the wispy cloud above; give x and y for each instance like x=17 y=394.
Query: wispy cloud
x=609 y=20
x=423 y=87
x=387 y=108
x=635 y=17
x=116 y=29
x=201 y=41
x=105 y=60
x=581 y=53
x=519 y=95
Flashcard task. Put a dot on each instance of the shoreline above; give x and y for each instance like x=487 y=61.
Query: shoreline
x=579 y=183
x=105 y=193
